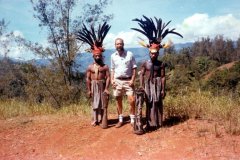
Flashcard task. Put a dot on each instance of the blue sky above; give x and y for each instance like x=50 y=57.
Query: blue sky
x=192 y=18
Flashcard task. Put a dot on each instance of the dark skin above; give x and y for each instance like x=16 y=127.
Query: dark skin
x=159 y=71
x=103 y=73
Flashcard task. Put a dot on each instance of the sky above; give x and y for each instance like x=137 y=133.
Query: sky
x=194 y=19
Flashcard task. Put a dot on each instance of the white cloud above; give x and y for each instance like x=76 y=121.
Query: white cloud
x=192 y=28
x=201 y=25
x=13 y=50
x=130 y=39
x=17 y=33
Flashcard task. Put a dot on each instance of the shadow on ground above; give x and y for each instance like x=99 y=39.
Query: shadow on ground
x=168 y=122
x=174 y=120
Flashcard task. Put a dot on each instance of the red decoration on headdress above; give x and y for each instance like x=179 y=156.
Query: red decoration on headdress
x=97 y=50
x=154 y=47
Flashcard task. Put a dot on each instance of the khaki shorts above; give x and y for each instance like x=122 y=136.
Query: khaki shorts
x=122 y=88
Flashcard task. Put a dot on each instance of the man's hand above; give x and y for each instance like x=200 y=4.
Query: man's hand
x=131 y=83
x=89 y=94
x=141 y=88
x=114 y=84
x=163 y=94
x=106 y=91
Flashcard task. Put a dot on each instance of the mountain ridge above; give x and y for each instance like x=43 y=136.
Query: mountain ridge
x=84 y=59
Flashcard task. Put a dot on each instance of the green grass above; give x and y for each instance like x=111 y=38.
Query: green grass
x=203 y=105
x=13 y=108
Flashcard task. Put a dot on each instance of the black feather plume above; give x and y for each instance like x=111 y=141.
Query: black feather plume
x=155 y=32
x=92 y=36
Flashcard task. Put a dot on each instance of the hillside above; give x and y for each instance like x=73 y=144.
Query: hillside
x=222 y=67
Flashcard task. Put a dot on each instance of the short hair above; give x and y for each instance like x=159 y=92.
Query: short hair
x=119 y=39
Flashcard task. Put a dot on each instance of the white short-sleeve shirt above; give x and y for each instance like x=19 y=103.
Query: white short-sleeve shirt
x=123 y=65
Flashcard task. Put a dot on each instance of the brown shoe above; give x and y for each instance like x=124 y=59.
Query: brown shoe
x=119 y=124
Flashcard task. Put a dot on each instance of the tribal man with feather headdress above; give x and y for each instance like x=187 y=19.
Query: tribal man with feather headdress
x=97 y=74
x=152 y=77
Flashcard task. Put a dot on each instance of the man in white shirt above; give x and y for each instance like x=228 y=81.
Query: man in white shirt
x=123 y=73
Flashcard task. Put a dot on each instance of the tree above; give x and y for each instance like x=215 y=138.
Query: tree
x=184 y=57
x=4 y=38
x=230 y=51
x=169 y=57
x=57 y=18
x=11 y=79
x=202 y=47
x=219 y=49
x=237 y=50
x=3 y=27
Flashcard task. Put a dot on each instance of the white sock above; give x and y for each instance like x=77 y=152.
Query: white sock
x=132 y=118
x=120 y=117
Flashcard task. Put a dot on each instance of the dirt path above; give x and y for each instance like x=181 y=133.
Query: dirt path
x=66 y=138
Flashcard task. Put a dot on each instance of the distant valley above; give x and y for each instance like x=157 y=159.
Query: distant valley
x=84 y=59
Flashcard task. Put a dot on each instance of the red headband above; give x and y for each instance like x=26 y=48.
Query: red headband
x=97 y=50
x=154 y=47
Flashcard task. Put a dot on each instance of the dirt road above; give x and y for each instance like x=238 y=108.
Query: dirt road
x=71 y=137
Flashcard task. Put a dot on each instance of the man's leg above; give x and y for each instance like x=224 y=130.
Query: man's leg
x=94 y=117
x=131 y=100
x=104 y=116
x=119 y=104
x=119 y=109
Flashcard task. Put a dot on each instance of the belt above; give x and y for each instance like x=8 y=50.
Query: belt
x=124 y=78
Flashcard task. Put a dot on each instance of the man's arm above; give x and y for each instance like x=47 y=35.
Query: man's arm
x=88 y=80
x=112 y=71
x=142 y=74
x=107 y=80
x=134 y=70
x=112 y=76
x=112 y=79
x=163 y=80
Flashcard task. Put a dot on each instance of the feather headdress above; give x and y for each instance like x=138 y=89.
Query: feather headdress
x=154 y=32
x=94 y=37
